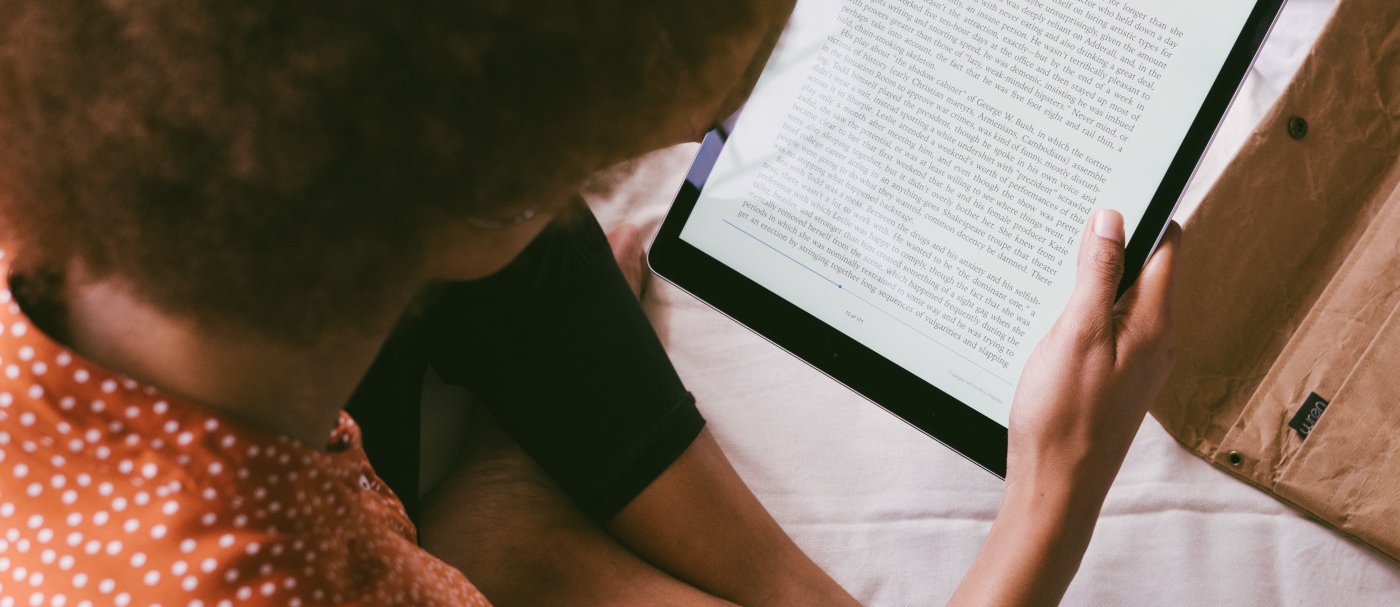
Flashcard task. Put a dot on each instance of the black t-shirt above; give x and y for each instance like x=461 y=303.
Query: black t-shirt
x=557 y=347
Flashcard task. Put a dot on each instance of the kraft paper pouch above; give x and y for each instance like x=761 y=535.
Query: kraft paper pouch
x=1288 y=342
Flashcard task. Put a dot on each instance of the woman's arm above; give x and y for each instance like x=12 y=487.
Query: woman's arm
x=517 y=536
x=1078 y=406
x=699 y=522
x=700 y=534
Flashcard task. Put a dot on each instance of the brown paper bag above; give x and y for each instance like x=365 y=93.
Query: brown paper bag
x=1288 y=345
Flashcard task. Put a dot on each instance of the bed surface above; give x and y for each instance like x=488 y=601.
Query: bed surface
x=897 y=518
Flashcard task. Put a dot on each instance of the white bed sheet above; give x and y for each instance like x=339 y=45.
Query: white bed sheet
x=897 y=518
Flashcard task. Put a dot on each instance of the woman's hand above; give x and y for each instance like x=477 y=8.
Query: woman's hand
x=1080 y=402
x=1086 y=388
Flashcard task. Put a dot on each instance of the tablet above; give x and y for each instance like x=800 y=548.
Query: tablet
x=900 y=201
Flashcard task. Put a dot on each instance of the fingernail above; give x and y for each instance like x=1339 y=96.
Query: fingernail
x=1109 y=225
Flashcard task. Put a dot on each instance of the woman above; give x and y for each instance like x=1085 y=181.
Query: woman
x=216 y=216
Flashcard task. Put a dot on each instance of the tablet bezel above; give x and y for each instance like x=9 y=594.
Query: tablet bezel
x=876 y=378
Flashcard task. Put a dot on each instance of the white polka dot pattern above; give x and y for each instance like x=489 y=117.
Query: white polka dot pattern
x=114 y=494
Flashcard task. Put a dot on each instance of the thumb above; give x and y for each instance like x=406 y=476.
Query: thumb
x=1099 y=272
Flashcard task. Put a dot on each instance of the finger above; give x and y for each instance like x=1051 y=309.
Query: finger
x=1099 y=272
x=1150 y=311
x=626 y=243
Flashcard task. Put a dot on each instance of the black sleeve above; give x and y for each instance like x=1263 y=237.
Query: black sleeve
x=557 y=347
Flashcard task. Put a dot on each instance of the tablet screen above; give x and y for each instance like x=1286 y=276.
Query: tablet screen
x=918 y=173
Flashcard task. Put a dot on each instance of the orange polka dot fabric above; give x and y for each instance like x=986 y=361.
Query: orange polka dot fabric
x=112 y=493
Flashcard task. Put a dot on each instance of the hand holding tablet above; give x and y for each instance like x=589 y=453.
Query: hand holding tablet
x=900 y=202
x=1080 y=399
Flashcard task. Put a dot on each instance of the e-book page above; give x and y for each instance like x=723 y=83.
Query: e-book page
x=918 y=173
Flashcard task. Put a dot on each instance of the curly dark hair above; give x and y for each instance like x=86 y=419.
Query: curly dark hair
x=274 y=165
